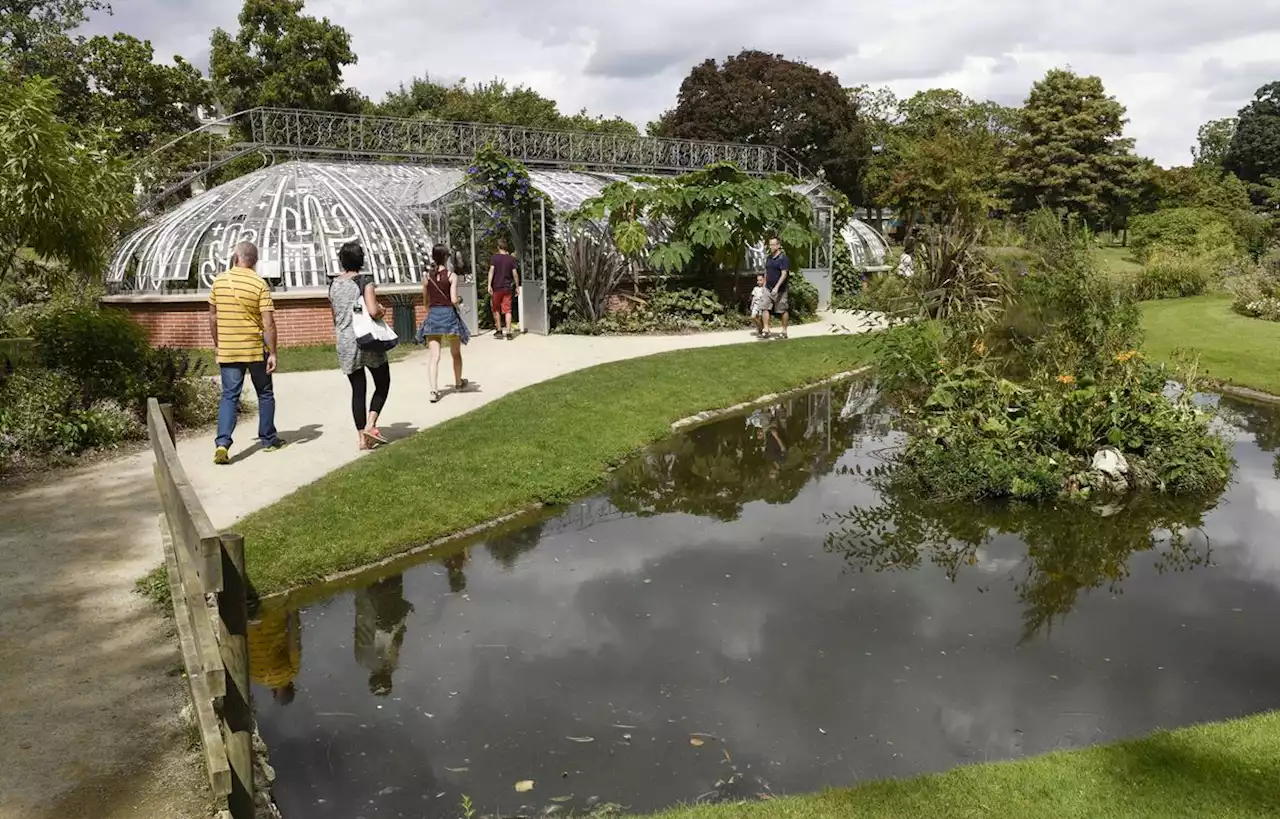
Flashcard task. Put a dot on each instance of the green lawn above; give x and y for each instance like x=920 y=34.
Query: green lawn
x=1232 y=348
x=1226 y=770
x=303 y=359
x=546 y=443
x=1118 y=261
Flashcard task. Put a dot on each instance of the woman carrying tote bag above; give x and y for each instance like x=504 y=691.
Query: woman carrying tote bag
x=440 y=292
x=353 y=297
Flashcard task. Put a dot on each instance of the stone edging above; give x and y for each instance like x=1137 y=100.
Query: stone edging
x=332 y=582
x=713 y=415
x=1246 y=393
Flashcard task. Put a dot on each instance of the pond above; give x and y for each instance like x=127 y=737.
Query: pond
x=740 y=614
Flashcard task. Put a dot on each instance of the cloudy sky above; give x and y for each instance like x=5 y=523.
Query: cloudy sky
x=1174 y=63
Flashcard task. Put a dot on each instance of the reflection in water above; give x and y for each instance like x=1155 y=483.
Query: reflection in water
x=275 y=652
x=714 y=470
x=454 y=564
x=381 y=612
x=707 y=596
x=1069 y=549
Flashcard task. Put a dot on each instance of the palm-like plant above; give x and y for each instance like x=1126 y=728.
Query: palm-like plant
x=595 y=268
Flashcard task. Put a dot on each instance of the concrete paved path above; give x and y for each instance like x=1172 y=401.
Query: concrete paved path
x=89 y=695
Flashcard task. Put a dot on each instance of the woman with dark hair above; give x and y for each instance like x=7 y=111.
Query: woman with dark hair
x=348 y=291
x=440 y=292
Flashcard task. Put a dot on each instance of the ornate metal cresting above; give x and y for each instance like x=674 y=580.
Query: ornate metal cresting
x=351 y=136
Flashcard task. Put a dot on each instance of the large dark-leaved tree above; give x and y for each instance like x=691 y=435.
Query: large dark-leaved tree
x=1071 y=153
x=1254 y=155
x=766 y=99
x=282 y=58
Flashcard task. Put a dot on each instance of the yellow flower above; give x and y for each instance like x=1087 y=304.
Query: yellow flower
x=1066 y=379
x=1125 y=356
x=980 y=347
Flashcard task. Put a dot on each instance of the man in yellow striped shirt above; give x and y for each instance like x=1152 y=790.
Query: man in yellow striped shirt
x=242 y=321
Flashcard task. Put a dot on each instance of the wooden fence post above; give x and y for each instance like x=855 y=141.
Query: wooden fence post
x=237 y=707
x=167 y=411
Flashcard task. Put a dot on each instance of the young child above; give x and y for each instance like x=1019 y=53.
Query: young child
x=761 y=301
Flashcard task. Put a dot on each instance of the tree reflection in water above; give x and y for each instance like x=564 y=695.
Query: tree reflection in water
x=1262 y=421
x=1069 y=548
x=712 y=471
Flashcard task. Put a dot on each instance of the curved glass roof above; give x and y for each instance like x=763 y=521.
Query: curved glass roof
x=299 y=213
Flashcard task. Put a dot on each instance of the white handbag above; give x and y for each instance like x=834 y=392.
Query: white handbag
x=371 y=334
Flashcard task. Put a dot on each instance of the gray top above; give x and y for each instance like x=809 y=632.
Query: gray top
x=343 y=295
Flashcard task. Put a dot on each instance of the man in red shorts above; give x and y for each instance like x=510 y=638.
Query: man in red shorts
x=503 y=279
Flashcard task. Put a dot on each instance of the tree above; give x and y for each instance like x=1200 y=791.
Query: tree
x=1254 y=154
x=1197 y=186
x=491 y=102
x=36 y=40
x=282 y=58
x=66 y=194
x=707 y=218
x=1070 y=152
x=942 y=152
x=766 y=99
x=1213 y=141
x=142 y=101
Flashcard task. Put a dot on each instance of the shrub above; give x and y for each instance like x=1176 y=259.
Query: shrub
x=885 y=292
x=1171 y=275
x=104 y=351
x=43 y=415
x=1257 y=295
x=664 y=311
x=1193 y=231
x=108 y=423
x=802 y=298
x=846 y=280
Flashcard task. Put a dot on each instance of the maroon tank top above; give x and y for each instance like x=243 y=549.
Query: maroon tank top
x=438 y=289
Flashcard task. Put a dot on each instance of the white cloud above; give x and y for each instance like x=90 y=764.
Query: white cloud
x=1174 y=64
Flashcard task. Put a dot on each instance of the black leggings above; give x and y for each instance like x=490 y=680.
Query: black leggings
x=381 y=386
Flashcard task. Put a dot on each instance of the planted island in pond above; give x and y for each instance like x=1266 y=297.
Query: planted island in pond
x=1033 y=386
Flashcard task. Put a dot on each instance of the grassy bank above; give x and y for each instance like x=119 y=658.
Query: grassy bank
x=304 y=359
x=1233 y=348
x=1225 y=770
x=549 y=442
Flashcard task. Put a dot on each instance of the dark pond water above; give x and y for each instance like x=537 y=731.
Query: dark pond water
x=732 y=618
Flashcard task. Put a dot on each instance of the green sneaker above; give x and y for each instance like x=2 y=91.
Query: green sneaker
x=221 y=456
x=276 y=446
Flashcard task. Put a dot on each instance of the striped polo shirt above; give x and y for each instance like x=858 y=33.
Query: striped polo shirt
x=241 y=297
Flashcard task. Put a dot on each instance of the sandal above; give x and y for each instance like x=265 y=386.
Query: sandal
x=461 y=385
x=374 y=435
x=435 y=396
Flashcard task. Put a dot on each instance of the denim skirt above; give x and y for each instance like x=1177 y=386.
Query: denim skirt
x=443 y=321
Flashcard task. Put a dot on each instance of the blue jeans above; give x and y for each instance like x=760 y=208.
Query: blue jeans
x=232 y=384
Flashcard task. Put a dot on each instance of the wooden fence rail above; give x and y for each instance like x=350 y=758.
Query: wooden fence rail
x=210 y=606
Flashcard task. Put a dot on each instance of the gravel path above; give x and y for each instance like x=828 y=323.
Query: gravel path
x=90 y=684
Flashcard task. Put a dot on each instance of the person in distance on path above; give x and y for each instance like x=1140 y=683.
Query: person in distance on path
x=777 y=269
x=504 y=278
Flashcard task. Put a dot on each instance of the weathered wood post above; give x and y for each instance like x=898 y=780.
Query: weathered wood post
x=167 y=411
x=237 y=706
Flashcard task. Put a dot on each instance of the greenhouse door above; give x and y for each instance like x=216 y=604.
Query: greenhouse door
x=534 y=315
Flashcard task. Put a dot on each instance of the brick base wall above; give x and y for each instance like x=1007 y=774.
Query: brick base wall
x=299 y=322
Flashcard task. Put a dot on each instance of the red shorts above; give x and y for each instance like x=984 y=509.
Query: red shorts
x=502 y=302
